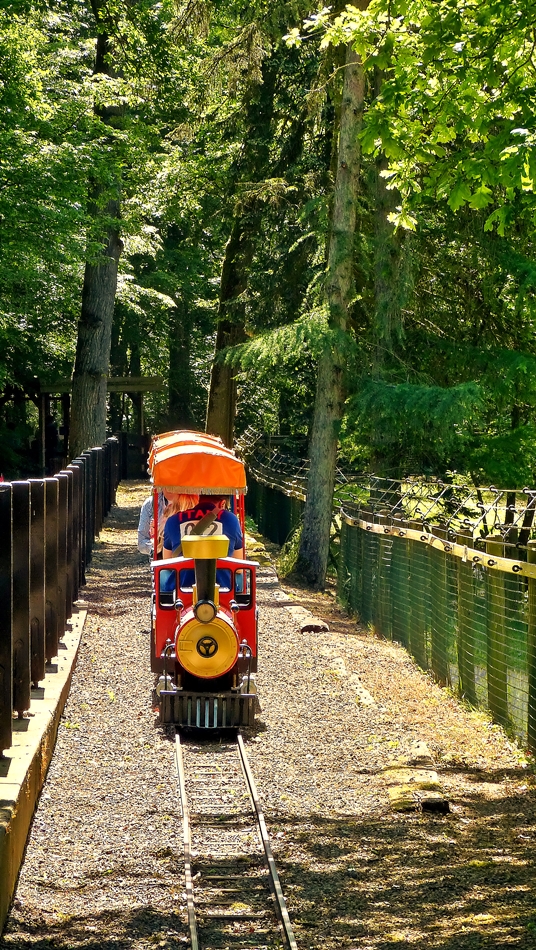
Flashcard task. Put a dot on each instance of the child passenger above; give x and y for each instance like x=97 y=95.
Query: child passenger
x=180 y=520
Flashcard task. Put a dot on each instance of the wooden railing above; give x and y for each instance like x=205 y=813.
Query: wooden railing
x=47 y=530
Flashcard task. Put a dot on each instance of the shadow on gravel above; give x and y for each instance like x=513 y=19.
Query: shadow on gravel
x=456 y=882
x=119 y=929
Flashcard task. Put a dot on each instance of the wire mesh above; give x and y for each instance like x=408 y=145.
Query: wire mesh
x=275 y=513
x=471 y=626
x=447 y=570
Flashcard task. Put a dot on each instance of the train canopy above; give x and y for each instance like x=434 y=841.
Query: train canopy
x=195 y=463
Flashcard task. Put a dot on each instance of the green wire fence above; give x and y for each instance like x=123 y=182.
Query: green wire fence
x=468 y=614
x=448 y=571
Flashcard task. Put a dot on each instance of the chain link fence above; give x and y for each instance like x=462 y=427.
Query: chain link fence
x=447 y=570
x=277 y=486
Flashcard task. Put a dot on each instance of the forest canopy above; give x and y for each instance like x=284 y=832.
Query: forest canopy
x=192 y=153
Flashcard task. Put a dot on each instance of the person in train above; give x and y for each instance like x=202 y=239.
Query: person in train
x=146 y=522
x=180 y=522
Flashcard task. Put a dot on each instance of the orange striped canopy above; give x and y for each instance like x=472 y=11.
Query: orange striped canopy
x=195 y=463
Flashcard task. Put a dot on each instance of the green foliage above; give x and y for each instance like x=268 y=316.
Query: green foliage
x=288 y=555
x=40 y=208
x=222 y=120
x=282 y=345
x=455 y=115
x=429 y=423
x=507 y=460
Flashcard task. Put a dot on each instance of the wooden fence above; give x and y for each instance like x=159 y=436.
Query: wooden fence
x=47 y=530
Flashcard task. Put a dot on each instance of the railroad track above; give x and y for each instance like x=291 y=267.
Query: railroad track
x=234 y=896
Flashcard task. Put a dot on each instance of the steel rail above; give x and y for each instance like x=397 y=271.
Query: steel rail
x=263 y=831
x=186 y=840
x=273 y=877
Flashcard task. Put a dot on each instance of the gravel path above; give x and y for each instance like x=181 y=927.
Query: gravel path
x=103 y=865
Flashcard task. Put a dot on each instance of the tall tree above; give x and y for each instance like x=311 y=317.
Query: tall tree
x=330 y=392
x=252 y=166
x=180 y=366
x=257 y=171
x=90 y=376
x=221 y=407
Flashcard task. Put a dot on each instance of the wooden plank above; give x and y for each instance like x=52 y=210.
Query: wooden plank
x=135 y=384
x=116 y=384
x=457 y=550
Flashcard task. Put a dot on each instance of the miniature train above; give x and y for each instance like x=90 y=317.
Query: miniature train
x=203 y=633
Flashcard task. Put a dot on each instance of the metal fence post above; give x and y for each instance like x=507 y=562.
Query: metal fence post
x=75 y=540
x=21 y=597
x=439 y=659
x=383 y=586
x=343 y=574
x=37 y=579
x=368 y=574
x=400 y=587
x=68 y=473
x=531 y=653
x=89 y=503
x=63 y=581
x=360 y=541
x=497 y=665
x=81 y=465
x=466 y=638
x=96 y=454
x=6 y=618
x=419 y=580
x=106 y=480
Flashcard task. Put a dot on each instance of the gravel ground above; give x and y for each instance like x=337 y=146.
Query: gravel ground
x=103 y=863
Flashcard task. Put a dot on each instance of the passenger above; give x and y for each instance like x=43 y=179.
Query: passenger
x=181 y=523
x=178 y=505
x=146 y=522
x=231 y=524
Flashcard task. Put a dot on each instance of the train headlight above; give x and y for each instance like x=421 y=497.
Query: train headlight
x=207 y=649
x=205 y=611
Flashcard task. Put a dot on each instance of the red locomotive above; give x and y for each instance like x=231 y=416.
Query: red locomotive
x=203 y=633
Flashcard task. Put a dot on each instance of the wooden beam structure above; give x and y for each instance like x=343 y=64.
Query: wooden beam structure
x=116 y=384
x=48 y=391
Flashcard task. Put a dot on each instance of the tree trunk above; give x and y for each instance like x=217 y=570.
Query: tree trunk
x=390 y=292
x=180 y=371
x=88 y=413
x=330 y=395
x=89 y=402
x=221 y=406
x=388 y=255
